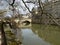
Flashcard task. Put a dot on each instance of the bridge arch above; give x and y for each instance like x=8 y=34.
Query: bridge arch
x=26 y=22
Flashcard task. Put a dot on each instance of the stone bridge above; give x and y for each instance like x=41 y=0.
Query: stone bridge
x=22 y=20
x=25 y=22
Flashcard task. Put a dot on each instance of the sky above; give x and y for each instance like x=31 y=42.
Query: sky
x=31 y=5
x=25 y=11
x=20 y=7
x=22 y=11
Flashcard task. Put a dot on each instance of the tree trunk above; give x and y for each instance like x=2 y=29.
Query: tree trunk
x=4 y=42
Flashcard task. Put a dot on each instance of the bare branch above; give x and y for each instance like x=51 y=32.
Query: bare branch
x=26 y=6
x=30 y=2
x=40 y=6
x=12 y=3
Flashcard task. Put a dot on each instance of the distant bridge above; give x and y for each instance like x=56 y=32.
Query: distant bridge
x=25 y=22
x=22 y=20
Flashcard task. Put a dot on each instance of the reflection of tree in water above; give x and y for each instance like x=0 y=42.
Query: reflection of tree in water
x=48 y=33
x=12 y=34
x=12 y=39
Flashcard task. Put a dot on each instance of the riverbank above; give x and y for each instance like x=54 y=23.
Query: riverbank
x=49 y=33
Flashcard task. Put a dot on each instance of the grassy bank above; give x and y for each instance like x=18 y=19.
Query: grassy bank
x=49 y=33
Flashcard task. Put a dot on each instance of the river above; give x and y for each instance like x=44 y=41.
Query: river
x=39 y=35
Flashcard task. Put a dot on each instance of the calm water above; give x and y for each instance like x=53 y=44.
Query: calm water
x=41 y=35
x=29 y=38
x=38 y=35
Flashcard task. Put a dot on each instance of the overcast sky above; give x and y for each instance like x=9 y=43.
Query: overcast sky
x=30 y=5
x=21 y=7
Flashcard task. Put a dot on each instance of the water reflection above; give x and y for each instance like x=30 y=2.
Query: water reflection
x=37 y=35
x=29 y=38
x=13 y=36
x=48 y=33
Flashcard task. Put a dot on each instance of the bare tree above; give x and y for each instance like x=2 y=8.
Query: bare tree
x=26 y=6
x=42 y=11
